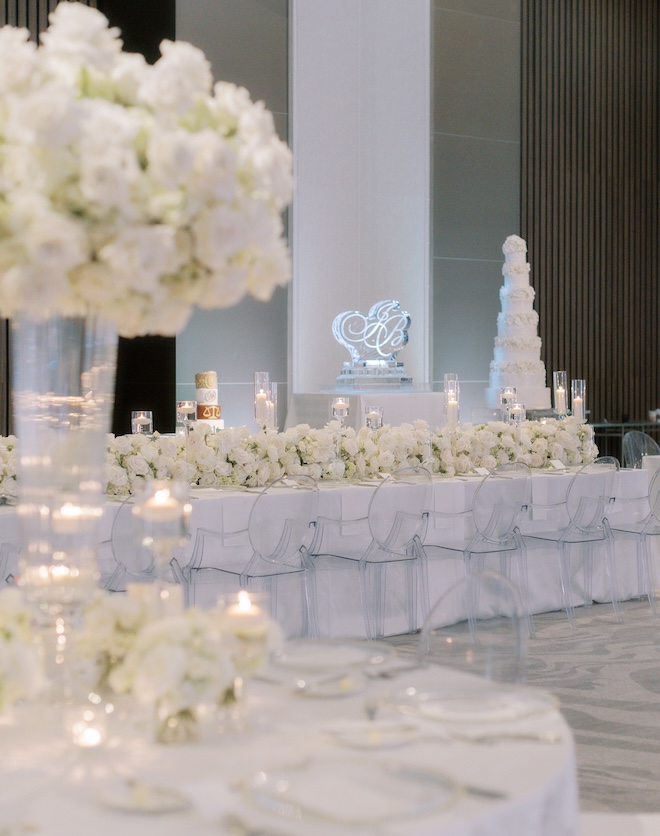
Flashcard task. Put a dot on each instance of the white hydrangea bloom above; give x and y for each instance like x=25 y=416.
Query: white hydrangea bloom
x=162 y=190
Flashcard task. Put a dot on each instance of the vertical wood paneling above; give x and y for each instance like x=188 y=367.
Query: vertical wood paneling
x=31 y=14
x=590 y=193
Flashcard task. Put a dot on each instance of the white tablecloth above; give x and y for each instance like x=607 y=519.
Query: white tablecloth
x=340 y=609
x=49 y=787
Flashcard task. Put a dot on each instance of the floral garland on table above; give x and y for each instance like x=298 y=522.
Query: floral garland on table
x=128 y=190
x=236 y=457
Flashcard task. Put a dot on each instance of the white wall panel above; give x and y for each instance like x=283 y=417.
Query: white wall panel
x=360 y=106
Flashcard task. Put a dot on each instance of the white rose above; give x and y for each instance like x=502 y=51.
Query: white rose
x=136 y=464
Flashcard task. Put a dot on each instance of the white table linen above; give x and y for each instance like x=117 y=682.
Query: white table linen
x=340 y=609
x=49 y=787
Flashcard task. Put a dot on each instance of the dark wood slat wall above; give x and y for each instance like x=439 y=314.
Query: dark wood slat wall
x=590 y=194
x=31 y=14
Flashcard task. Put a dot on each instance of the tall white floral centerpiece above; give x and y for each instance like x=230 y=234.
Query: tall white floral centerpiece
x=129 y=194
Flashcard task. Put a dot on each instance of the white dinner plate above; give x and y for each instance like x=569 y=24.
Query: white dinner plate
x=137 y=797
x=350 y=792
x=374 y=734
x=327 y=655
x=475 y=706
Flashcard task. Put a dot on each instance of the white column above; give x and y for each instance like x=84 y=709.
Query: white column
x=361 y=135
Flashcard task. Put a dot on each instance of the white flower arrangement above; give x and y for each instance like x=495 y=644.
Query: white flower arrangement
x=110 y=626
x=235 y=457
x=129 y=190
x=21 y=671
x=179 y=660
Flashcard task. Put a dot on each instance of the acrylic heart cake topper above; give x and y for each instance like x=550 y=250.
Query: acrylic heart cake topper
x=377 y=336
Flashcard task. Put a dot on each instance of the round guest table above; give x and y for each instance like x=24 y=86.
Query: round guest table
x=320 y=750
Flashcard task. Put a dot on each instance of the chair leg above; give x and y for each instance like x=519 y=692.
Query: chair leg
x=523 y=587
x=614 y=583
x=413 y=590
x=645 y=578
x=311 y=625
x=650 y=564
x=587 y=574
x=372 y=593
x=422 y=572
x=565 y=581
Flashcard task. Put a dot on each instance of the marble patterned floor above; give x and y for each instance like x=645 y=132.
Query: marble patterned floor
x=607 y=678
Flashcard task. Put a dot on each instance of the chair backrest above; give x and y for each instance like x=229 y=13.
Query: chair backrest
x=500 y=500
x=478 y=626
x=636 y=445
x=397 y=511
x=591 y=490
x=132 y=555
x=126 y=542
x=282 y=519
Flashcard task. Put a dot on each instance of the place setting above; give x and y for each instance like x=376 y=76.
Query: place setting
x=325 y=668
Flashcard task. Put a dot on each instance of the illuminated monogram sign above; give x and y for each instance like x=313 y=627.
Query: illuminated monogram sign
x=377 y=336
x=373 y=341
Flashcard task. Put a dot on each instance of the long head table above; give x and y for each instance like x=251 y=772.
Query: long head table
x=340 y=608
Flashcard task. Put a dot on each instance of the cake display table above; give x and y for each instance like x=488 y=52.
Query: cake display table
x=398 y=408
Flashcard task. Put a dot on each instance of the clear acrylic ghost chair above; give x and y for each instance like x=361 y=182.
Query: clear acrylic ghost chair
x=396 y=520
x=133 y=561
x=579 y=524
x=275 y=558
x=636 y=445
x=500 y=501
x=640 y=518
x=478 y=625
x=225 y=547
x=398 y=515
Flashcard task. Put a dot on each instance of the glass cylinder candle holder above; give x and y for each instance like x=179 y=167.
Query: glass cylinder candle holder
x=452 y=386
x=340 y=409
x=578 y=404
x=518 y=413
x=560 y=394
x=162 y=512
x=373 y=417
x=452 y=409
x=508 y=396
x=261 y=398
x=142 y=422
x=185 y=413
x=271 y=407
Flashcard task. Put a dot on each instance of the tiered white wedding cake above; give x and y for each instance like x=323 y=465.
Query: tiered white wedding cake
x=517 y=356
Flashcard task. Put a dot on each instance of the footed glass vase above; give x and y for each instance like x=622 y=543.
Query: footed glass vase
x=63 y=390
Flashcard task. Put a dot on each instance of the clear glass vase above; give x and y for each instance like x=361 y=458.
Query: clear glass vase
x=63 y=391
